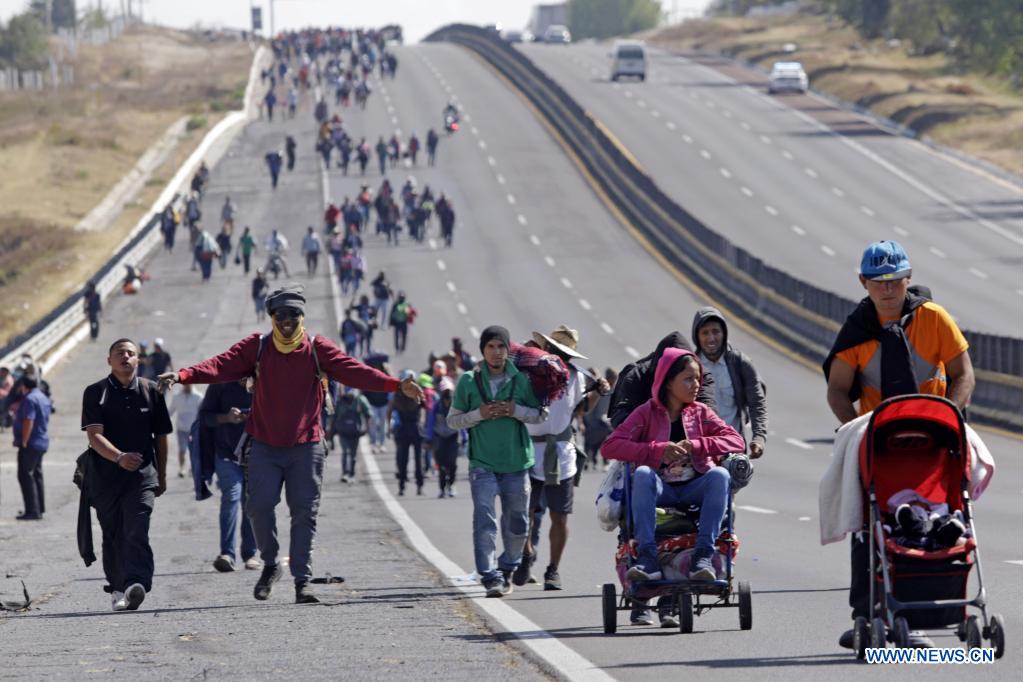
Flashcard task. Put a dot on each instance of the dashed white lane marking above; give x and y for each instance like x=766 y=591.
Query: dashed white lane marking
x=725 y=173
x=473 y=331
x=500 y=179
x=607 y=328
x=771 y=210
x=433 y=243
x=390 y=109
x=799 y=443
x=536 y=240
x=461 y=308
x=483 y=145
x=670 y=125
x=441 y=265
x=804 y=518
x=787 y=154
x=747 y=191
x=394 y=120
x=837 y=192
x=492 y=161
x=902 y=232
x=451 y=286
x=978 y=273
x=828 y=251
x=585 y=304
x=868 y=211
x=522 y=219
x=1019 y=291
x=745 y=126
x=937 y=252
x=641 y=104
x=755 y=510
x=632 y=352
x=798 y=230
x=811 y=172
x=467 y=118
x=511 y=199
x=475 y=130
x=549 y=261
x=565 y=282
x=628 y=93
x=765 y=139
x=687 y=139
x=705 y=154
x=1018 y=562
x=655 y=113
x=726 y=113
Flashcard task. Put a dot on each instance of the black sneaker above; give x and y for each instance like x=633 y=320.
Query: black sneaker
x=522 y=573
x=495 y=587
x=666 y=613
x=506 y=579
x=551 y=579
x=134 y=596
x=641 y=615
x=846 y=639
x=271 y=574
x=304 y=595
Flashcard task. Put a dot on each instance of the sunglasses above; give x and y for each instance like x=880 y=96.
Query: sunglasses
x=287 y=314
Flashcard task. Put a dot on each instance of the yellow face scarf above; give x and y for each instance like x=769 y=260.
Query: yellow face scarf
x=286 y=344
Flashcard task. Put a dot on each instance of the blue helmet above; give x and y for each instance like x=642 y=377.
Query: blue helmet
x=885 y=260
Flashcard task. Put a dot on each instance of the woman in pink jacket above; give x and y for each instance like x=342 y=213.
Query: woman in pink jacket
x=675 y=444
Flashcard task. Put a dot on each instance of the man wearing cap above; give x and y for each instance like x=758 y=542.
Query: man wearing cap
x=552 y=477
x=495 y=402
x=290 y=369
x=894 y=343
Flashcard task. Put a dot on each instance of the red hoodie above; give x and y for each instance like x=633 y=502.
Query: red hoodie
x=288 y=400
x=641 y=438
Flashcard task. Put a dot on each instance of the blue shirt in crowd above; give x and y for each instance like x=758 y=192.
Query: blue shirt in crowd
x=35 y=406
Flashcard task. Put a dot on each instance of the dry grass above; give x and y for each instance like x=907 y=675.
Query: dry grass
x=970 y=112
x=65 y=150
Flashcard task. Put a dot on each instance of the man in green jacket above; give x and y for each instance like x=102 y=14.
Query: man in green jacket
x=495 y=402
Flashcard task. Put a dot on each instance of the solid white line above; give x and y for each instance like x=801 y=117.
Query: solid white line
x=798 y=230
x=522 y=219
x=585 y=304
x=511 y=199
x=451 y=286
x=536 y=240
x=978 y=273
x=937 y=252
x=462 y=309
x=747 y=191
x=607 y=328
x=565 y=282
x=755 y=510
x=771 y=210
x=632 y=351
x=828 y=251
x=441 y=265
x=799 y=443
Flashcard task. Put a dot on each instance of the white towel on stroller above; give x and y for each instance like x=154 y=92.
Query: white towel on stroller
x=841 y=497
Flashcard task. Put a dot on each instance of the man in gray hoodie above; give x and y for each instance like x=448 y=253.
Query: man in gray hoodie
x=740 y=394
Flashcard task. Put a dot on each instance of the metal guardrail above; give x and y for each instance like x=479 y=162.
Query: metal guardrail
x=795 y=315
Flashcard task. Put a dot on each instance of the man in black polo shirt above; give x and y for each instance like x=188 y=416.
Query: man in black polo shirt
x=127 y=423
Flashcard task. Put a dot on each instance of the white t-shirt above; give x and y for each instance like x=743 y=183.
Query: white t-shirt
x=559 y=418
x=185 y=408
x=724 y=392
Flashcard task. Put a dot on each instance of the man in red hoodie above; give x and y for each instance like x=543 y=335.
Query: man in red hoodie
x=289 y=369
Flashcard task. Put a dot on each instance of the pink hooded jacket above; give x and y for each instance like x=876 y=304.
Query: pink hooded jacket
x=641 y=438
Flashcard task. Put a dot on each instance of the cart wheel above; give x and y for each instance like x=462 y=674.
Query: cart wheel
x=878 y=636
x=610 y=603
x=961 y=631
x=745 y=606
x=685 y=612
x=900 y=633
x=861 y=637
x=998 y=634
x=973 y=635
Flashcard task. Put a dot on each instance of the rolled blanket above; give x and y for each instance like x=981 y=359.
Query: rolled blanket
x=547 y=374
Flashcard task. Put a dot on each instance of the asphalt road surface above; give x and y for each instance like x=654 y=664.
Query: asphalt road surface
x=534 y=247
x=806 y=186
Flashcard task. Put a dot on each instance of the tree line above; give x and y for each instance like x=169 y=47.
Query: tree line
x=985 y=35
x=23 y=40
x=602 y=19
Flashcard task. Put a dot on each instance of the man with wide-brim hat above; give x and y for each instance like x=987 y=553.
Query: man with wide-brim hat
x=290 y=369
x=553 y=475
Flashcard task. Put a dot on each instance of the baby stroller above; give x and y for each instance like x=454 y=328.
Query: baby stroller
x=917 y=444
x=676 y=538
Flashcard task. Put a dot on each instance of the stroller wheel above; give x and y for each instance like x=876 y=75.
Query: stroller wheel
x=861 y=637
x=973 y=635
x=900 y=633
x=745 y=606
x=685 y=612
x=609 y=602
x=997 y=628
x=878 y=636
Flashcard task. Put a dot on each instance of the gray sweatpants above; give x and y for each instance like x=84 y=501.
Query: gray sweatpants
x=299 y=469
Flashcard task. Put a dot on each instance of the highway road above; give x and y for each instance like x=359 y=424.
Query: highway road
x=534 y=247
x=772 y=174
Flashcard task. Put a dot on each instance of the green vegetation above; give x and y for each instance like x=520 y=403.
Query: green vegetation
x=606 y=18
x=195 y=122
x=23 y=43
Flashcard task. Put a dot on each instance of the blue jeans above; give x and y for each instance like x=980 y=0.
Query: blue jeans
x=349 y=448
x=231 y=479
x=513 y=490
x=709 y=491
x=377 y=424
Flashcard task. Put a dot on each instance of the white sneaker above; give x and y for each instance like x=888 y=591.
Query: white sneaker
x=253 y=563
x=134 y=596
x=117 y=601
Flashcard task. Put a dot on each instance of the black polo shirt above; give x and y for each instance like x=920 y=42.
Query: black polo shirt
x=131 y=416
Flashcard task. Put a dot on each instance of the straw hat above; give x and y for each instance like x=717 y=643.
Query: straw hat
x=563 y=338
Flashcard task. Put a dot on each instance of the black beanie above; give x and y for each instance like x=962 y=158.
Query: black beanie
x=290 y=295
x=494 y=332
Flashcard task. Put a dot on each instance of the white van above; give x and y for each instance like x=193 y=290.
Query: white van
x=628 y=59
